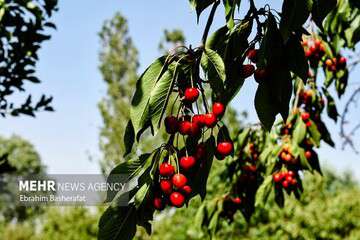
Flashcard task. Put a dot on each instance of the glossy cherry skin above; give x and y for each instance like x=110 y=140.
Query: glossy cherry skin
x=187 y=162
x=218 y=109
x=166 y=186
x=225 y=148
x=177 y=199
x=191 y=94
x=179 y=180
x=166 y=169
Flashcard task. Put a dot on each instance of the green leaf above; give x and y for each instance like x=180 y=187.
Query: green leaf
x=129 y=137
x=294 y=15
x=320 y=9
x=299 y=131
x=199 y=183
x=296 y=58
x=118 y=223
x=265 y=107
x=200 y=5
x=242 y=137
x=314 y=133
x=330 y=106
x=303 y=160
x=214 y=68
x=263 y=192
x=141 y=194
x=131 y=168
x=149 y=98
x=230 y=6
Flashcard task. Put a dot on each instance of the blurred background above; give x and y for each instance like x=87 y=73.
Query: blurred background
x=90 y=66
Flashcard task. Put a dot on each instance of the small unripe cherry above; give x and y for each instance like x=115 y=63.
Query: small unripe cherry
x=225 y=148
x=191 y=94
x=158 y=203
x=177 y=199
x=218 y=109
x=186 y=189
x=187 y=162
x=210 y=120
x=252 y=55
x=305 y=116
x=185 y=127
x=171 y=124
x=166 y=169
x=328 y=62
x=166 y=186
x=179 y=180
x=308 y=155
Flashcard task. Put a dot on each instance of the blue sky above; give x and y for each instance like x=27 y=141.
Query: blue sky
x=68 y=138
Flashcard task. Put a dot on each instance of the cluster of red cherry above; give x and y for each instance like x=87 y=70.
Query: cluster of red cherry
x=286 y=179
x=173 y=187
x=335 y=64
x=260 y=74
x=314 y=50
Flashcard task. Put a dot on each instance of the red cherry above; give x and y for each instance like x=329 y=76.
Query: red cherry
x=179 y=180
x=317 y=43
x=285 y=184
x=308 y=155
x=186 y=189
x=210 y=120
x=342 y=62
x=171 y=124
x=191 y=94
x=291 y=173
x=288 y=178
x=247 y=70
x=199 y=119
x=194 y=129
x=312 y=49
x=166 y=169
x=200 y=151
x=308 y=123
x=260 y=75
x=308 y=53
x=177 y=199
x=252 y=55
x=293 y=182
x=225 y=148
x=166 y=186
x=277 y=177
x=185 y=127
x=218 y=109
x=187 y=162
x=305 y=116
x=236 y=200
x=158 y=203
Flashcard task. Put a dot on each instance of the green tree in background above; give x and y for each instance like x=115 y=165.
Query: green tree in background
x=118 y=66
x=22 y=160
